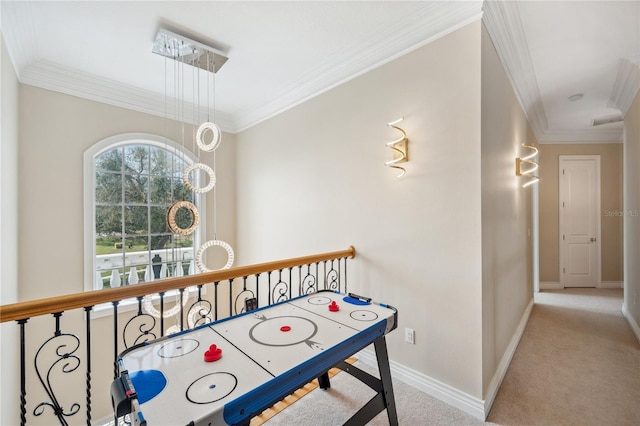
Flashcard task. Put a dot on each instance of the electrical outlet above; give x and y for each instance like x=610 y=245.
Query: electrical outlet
x=409 y=335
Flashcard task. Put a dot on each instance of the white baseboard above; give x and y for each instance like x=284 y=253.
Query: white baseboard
x=456 y=398
x=632 y=322
x=501 y=371
x=612 y=284
x=435 y=388
x=550 y=285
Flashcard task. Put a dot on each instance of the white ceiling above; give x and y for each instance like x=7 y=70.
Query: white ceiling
x=282 y=53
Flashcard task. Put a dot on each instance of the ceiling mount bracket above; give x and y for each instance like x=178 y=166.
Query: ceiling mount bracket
x=183 y=49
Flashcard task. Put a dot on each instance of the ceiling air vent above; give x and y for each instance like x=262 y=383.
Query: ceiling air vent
x=607 y=120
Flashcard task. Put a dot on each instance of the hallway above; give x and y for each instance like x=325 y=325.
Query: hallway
x=578 y=363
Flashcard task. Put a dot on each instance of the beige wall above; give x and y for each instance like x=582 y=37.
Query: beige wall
x=9 y=398
x=313 y=179
x=632 y=214
x=55 y=130
x=611 y=201
x=507 y=281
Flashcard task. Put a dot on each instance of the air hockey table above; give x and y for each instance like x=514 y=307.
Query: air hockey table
x=228 y=371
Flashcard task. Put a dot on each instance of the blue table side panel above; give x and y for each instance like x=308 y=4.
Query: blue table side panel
x=267 y=394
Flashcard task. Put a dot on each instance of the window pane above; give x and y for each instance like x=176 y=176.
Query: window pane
x=180 y=191
x=160 y=241
x=136 y=189
x=136 y=159
x=108 y=245
x=161 y=190
x=179 y=165
x=110 y=160
x=160 y=162
x=108 y=188
x=138 y=243
x=183 y=241
x=136 y=220
x=159 y=220
x=108 y=221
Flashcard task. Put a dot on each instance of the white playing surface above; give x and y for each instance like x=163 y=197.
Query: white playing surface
x=255 y=349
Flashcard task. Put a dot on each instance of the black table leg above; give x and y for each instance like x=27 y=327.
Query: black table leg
x=323 y=381
x=380 y=345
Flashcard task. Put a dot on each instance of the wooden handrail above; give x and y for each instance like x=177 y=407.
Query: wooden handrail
x=50 y=305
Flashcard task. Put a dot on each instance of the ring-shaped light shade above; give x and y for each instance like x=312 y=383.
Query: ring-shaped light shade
x=215 y=141
x=204 y=168
x=147 y=305
x=224 y=245
x=171 y=217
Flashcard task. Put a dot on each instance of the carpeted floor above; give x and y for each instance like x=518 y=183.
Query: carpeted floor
x=577 y=363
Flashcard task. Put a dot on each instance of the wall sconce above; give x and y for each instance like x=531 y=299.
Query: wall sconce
x=399 y=147
x=525 y=166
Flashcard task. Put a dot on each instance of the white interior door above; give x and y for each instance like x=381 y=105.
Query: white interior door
x=579 y=220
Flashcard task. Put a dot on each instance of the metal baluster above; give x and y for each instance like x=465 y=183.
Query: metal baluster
x=181 y=309
x=231 y=297
x=23 y=375
x=269 y=287
x=63 y=346
x=161 y=314
x=345 y=275
x=115 y=338
x=215 y=299
x=87 y=311
x=258 y=290
x=290 y=283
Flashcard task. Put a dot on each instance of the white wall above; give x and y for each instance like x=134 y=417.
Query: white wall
x=631 y=305
x=313 y=179
x=9 y=356
x=507 y=279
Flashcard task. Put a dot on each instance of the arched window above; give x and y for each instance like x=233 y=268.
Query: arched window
x=131 y=182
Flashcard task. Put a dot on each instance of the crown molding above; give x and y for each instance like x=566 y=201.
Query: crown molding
x=612 y=135
x=51 y=76
x=432 y=22
x=502 y=21
x=626 y=85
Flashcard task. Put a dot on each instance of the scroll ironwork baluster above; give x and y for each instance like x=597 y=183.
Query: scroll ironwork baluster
x=145 y=329
x=309 y=282
x=279 y=290
x=239 y=303
x=332 y=276
x=64 y=346
x=200 y=311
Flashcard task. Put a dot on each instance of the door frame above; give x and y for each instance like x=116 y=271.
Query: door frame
x=598 y=241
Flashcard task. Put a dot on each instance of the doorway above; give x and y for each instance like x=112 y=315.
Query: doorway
x=579 y=202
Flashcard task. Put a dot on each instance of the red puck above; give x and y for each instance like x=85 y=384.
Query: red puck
x=213 y=354
x=285 y=328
